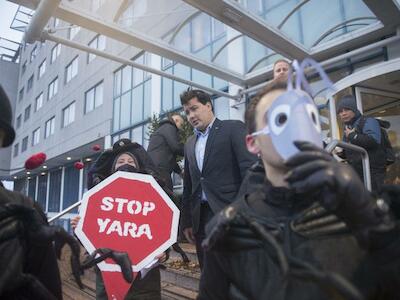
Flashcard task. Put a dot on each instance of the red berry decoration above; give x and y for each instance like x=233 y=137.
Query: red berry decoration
x=35 y=161
x=96 y=147
x=79 y=165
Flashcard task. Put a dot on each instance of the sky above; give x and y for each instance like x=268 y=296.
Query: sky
x=7 y=12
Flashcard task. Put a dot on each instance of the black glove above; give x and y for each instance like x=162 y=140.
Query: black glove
x=338 y=188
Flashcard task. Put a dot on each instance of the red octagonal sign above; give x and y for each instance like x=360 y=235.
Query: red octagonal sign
x=128 y=212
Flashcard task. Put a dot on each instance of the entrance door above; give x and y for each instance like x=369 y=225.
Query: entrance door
x=385 y=106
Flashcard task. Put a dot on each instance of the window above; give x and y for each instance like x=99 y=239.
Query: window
x=27 y=112
x=56 y=22
x=38 y=102
x=16 y=149
x=36 y=136
x=23 y=68
x=71 y=186
x=42 y=190
x=55 y=52
x=68 y=114
x=53 y=88
x=95 y=4
x=42 y=69
x=73 y=30
x=99 y=43
x=49 y=127
x=21 y=94
x=30 y=83
x=19 y=118
x=71 y=70
x=33 y=54
x=94 y=97
x=55 y=191
x=32 y=187
x=24 y=144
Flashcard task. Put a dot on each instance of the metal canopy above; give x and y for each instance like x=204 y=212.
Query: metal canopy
x=232 y=13
x=156 y=26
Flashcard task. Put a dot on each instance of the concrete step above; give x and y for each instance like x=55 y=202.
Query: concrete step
x=72 y=291
x=172 y=292
x=181 y=275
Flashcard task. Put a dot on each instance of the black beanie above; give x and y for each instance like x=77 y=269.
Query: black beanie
x=348 y=102
x=6 y=118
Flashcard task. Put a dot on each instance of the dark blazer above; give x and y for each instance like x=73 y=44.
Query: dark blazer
x=226 y=160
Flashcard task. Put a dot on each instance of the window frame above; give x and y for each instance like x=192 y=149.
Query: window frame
x=67 y=110
x=49 y=124
x=54 y=85
x=69 y=69
x=40 y=96
x=95 y=104
x=35 y=137
x=41 y=69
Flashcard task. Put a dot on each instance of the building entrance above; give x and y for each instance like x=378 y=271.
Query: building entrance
x=386 y=106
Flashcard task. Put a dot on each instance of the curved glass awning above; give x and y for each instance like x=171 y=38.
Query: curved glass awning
x=207 y=35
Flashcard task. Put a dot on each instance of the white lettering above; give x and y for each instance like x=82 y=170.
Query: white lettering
x=102 y=224
x=130 y=228
x=107 y=204
x=138 y=207
x=148 y=207
x=121 y=202
x=144 y=229
x=115 y=226
x=134 y=207
x=127 y=229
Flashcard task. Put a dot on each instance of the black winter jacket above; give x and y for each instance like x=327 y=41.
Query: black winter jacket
x=165 y=146
x=239 y=265
x=37 y=258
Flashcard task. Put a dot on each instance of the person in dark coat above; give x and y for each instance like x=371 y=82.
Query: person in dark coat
x=367 y=137
x=216 y=161
x=37 y=258
x=310 y=232
x=165 y=146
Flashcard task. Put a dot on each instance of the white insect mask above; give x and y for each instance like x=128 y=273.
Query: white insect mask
x=293 y=116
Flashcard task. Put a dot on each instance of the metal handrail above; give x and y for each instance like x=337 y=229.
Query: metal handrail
x=364 y=155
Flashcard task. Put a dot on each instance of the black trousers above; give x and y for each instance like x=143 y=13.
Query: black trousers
x=205 y=215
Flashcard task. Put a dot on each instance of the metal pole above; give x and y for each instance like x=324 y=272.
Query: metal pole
x=45 y=35
x=365 y=158
x=65 y=211
x=41 y=17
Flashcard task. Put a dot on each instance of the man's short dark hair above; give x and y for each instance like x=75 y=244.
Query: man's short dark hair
x=281 y=60
x=250 y=114
x=171 y=114
x=202 y=96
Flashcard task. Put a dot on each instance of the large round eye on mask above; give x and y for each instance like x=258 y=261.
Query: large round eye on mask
x=314 y=115
x=293 y=116
x=279 y=118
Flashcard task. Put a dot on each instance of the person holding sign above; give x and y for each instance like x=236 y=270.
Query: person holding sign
x=128 y=157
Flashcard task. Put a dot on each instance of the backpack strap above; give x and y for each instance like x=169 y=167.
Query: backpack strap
x=361 y=123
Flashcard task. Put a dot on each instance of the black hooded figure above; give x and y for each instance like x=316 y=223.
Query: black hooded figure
x=127 y=156
x=19 y=254
x=364 y=132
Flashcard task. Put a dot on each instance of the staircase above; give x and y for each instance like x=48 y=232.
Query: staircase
x=178 y=281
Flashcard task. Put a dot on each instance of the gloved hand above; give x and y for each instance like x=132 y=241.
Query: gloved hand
x=337 y=186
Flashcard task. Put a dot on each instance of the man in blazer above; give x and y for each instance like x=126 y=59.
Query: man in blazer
x=216 y=160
